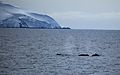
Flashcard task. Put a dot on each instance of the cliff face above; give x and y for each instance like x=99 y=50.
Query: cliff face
x=14 y=17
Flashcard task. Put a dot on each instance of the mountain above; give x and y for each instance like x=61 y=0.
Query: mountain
x=14 y=17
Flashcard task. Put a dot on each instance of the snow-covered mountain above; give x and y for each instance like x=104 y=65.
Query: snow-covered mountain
x=14 y=17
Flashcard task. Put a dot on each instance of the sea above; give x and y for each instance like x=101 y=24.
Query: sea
x=59 y=52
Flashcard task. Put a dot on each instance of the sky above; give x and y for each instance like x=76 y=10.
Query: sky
x=77 y=14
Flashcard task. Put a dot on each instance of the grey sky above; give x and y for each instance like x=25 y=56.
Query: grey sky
x=79 y=14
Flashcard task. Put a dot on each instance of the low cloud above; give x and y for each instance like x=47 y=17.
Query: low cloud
x=86 y=20
x=85 y=15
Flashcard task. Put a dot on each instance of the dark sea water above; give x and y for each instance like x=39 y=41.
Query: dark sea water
x=33 y=52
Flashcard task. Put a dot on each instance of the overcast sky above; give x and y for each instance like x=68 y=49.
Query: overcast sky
x=77 y=14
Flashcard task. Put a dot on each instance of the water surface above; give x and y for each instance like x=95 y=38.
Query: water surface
x=33 y=52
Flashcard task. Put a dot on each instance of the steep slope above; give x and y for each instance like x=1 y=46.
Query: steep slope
x=45 y=18
x=11 y=16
